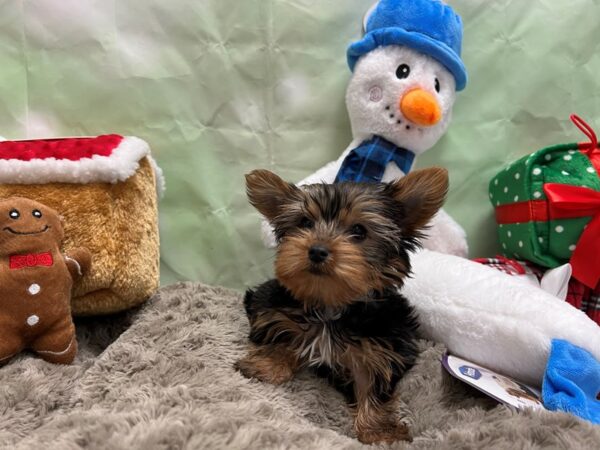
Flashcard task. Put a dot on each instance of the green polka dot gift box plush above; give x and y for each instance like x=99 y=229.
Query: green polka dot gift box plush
x=548 y=207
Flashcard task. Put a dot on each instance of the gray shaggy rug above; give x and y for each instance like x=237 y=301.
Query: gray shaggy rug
x=161 y=377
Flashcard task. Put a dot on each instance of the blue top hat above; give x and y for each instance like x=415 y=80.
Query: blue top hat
x=427 y=26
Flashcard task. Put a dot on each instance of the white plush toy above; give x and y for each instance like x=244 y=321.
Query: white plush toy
x=400 y=102
x=492 y=318
x=406 y=71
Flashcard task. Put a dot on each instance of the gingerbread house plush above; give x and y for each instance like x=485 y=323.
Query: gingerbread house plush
x=106 y=189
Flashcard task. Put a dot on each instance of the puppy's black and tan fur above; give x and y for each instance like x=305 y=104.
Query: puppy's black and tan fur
x=343 y=252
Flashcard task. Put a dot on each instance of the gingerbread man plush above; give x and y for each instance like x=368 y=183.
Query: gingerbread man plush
x=35 y=282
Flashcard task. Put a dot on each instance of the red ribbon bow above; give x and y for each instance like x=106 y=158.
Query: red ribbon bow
x=568 y=202
x=30 y=260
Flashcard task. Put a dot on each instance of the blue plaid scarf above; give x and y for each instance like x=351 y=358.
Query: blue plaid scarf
x=367 y=162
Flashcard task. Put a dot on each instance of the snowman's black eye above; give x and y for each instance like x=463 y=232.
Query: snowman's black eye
x=438 y=88
x=403 y=71
x=14 y=214
x=37 y=213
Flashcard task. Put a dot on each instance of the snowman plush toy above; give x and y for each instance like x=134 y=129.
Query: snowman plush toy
x=406 y=73
x=407 y=70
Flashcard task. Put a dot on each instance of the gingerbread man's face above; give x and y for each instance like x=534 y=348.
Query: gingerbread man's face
x=28 y=225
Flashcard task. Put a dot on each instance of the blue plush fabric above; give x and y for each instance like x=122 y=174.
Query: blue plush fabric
x=367 y=162
x=572 y=381
x=427 y=26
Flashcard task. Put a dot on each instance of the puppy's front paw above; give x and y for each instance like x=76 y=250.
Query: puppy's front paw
x=387 y=434
x=264 y=369
x=246 y=368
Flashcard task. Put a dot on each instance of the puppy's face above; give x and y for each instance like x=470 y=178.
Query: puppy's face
x=338 y=242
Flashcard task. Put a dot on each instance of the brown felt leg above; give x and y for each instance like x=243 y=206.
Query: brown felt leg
x=59 y=345
x=273 y=364
x=375 y=421
x=10 y=345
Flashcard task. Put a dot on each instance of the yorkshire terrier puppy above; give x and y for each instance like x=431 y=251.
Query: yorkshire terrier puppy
x=343 y=252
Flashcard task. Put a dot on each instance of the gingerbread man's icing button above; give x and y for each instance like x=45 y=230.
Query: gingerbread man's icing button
x=34 y=289
x=32 y=320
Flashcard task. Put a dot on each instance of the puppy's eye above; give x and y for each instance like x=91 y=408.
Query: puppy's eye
x=36 y=213
x=403 y=71
x=306 y=223
x=358 y=232
x=14 y=214
x=438 y=88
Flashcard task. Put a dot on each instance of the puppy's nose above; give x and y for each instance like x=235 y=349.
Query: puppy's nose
x=318 y=254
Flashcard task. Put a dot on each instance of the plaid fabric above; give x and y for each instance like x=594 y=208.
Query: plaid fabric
x=585 y=299
x=578 y=295
x=367 y=162
x=511 y=266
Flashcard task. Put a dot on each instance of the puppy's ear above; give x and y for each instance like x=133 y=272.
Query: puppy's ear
x=268 y=193
x=421 y=194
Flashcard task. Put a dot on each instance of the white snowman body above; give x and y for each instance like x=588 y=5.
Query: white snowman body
x=377 y=104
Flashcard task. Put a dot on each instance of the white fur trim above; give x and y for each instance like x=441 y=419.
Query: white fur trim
x=119 y=166
x=161 y=185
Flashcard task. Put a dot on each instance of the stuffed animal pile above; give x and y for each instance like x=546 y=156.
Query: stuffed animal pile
x=406 y=72
x=106 y=188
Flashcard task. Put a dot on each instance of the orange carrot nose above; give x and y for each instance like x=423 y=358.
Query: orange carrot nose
x=421 y=108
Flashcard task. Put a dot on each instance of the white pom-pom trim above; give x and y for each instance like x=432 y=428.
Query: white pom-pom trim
x=123 y=162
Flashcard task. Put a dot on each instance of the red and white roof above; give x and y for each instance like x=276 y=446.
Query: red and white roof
x=105 y=159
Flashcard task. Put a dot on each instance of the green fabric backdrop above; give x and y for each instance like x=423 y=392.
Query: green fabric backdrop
x=218 y=87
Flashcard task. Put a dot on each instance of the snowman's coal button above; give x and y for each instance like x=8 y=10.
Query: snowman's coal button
x=32 y=320
x=34 y=289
